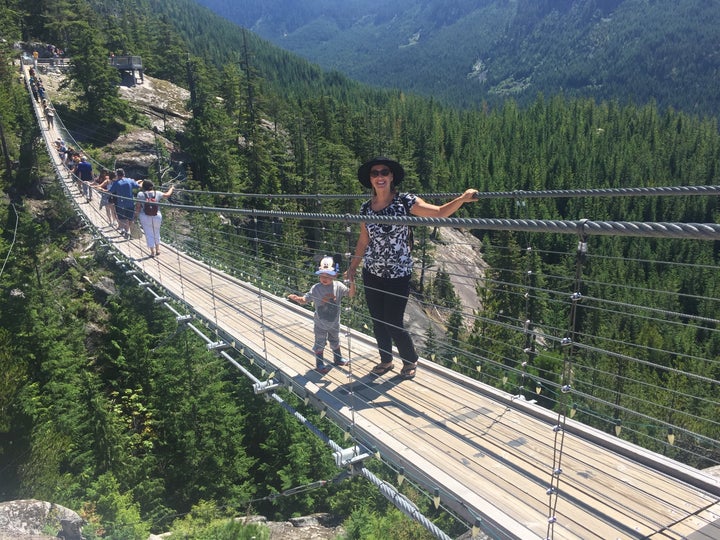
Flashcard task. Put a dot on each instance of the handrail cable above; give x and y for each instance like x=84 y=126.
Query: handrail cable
x=518 y=194
x=699 y=231
x=350 y=376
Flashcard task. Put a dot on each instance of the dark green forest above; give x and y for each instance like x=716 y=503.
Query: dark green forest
x=110 y=408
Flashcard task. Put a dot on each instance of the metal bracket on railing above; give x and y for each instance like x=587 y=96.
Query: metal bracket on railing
x=263 y=387
x=352 y=457
x=218 y=346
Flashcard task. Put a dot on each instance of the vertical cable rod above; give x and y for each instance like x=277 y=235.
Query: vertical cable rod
x=568 y=344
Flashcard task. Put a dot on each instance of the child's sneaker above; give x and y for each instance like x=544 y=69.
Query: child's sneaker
x=323 y=369
x=340 y=361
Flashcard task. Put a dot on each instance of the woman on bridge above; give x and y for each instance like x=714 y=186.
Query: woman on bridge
x=388 y=263
x=147 y=209
x=107 y=179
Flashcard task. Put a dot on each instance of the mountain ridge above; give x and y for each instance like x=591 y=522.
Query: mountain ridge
x=468 y=53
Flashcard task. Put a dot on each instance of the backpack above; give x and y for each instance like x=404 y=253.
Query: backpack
x=151 y=206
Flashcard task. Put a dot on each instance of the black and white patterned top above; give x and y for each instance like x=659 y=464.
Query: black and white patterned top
x=388 y=252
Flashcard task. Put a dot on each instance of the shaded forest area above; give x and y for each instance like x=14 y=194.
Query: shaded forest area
x=107 y=407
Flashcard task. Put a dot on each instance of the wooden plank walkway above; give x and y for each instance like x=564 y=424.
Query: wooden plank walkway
x=489 y=454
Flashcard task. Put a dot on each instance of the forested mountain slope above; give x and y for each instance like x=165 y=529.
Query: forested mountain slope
x=466 y=52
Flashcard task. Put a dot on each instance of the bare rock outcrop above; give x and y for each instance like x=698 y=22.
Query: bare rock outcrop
x=30 y=519
x=319 y=526
x=313 y=527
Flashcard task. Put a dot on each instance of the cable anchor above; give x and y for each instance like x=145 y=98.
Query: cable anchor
x=263 y=387
x=351 y=458
x=218 y=346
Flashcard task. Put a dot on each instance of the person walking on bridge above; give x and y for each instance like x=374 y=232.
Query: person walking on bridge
x=122 y=189
x=83 y=171
x=148 y=211
x=49 y=114
x=106 y=180
x=387 y=260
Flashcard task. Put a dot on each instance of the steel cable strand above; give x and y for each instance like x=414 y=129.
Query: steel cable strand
x=670 y=323
x=702 y=231
x=605 y=192
x=637 y=309
x=654 y=365
x=350 y=376
x=609 y=420
x=551 y=193
x=14 y=237
x=567 y=374
x=403 y=504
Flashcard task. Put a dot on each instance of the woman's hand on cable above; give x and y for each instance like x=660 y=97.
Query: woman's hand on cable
x=470 y=195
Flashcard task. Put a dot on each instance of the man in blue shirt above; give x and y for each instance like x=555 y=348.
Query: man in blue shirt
x=123 y=188
x=83 y=171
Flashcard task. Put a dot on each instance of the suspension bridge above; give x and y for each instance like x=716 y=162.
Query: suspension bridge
x=490 y=454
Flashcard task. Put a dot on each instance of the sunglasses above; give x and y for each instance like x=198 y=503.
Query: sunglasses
x=381 y=172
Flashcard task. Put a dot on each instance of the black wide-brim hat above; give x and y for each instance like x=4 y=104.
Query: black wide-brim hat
x=394 y=166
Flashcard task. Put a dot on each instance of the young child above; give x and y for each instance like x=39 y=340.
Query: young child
x=326 y=296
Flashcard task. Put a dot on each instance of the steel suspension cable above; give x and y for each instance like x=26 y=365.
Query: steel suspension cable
x=517 y=194
x=528 y=282
x=698 y=231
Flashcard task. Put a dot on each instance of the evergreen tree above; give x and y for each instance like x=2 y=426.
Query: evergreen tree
x=93 y=76
x=212 y=140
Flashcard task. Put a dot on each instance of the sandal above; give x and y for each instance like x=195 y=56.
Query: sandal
x=382 y=369
x=408 y=371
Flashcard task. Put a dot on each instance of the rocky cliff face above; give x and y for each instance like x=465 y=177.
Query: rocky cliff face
x=30 y=519
x=136 y=150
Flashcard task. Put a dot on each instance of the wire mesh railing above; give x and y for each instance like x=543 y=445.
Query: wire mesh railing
x=646 y=338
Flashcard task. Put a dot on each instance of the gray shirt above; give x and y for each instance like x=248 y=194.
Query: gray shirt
x=327 y=299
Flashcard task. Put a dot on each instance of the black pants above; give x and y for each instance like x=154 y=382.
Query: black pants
x=386 y=300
